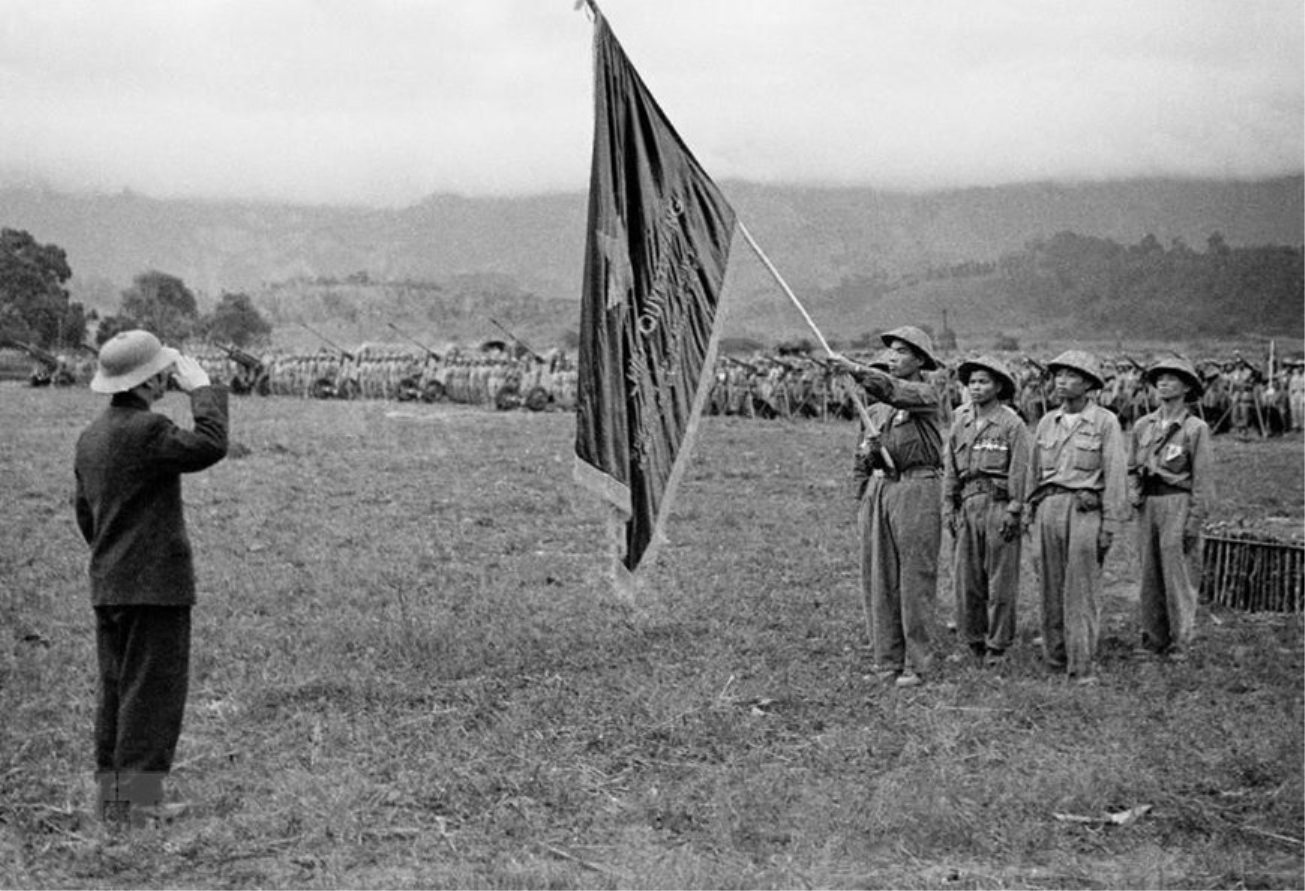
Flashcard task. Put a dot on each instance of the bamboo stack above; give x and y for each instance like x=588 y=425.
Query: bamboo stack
x=1252 y=571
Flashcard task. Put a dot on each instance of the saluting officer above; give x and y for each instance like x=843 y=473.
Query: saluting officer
x=984 y=469
x=1171 y=483
x=128 y=469
x=1077 y=482
x=899 y=465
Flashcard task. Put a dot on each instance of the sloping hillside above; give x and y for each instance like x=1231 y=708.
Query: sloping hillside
x=817 y=237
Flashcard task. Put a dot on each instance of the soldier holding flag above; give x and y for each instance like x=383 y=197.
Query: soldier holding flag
x=899 y=463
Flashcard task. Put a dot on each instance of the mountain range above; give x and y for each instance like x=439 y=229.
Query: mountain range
x=533 y=246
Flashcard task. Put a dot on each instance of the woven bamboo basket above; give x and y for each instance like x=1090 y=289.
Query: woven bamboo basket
x=1253 y=569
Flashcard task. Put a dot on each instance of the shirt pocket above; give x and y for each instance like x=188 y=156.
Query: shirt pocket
x=992 y=455
x=1173 y=457
x=1086 y=451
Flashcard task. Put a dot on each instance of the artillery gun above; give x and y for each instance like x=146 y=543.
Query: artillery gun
x=49 y=370
x=252 y=374
x=344 y=384
x=537 y=382
x=424 y=385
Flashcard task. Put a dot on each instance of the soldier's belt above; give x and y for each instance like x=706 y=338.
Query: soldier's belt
x=1154 y=486
x=1085 y=500
x=985 y=485
x=913 y=473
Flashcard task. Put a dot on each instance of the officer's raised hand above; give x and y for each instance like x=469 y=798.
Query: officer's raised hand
x=189 y=374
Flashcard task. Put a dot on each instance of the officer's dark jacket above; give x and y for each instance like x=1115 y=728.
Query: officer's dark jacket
x=128 y=501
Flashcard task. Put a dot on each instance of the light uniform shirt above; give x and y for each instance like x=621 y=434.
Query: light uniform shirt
x=1178 y=453
x=992 y=445
x=1085 y=451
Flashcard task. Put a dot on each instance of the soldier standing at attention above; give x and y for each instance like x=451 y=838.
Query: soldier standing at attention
x=128 y=503
x=898 y=466
x=984 y=469
x=1171 y=483
x=1078 y=480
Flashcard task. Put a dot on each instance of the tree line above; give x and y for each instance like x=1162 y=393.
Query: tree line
x=36 y=308
x=1170 y=292
x=1096 y=283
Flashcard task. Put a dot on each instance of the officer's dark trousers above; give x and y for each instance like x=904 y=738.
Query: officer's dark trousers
x=144 y=660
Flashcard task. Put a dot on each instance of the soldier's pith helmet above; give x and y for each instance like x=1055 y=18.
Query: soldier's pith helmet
x=1083 y=362
x=128 y=359
x=917 y=340
x=995 y=367
x=1181 y=367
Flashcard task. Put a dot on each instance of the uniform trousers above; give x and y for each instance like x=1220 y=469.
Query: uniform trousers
x=986 y=574
x=1069 y=576
x=1168 y=598
x=901 y=529
x=144 y=664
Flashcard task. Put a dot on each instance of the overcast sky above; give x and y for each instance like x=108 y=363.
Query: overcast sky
x=383 y=102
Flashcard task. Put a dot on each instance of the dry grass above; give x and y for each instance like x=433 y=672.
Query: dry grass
x=409 y=672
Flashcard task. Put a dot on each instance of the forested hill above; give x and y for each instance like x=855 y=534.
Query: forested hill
x=817 y=237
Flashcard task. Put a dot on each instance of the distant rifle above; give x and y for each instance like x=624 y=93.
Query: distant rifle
x=434 y=355
x=521 y=342
x=339 y=349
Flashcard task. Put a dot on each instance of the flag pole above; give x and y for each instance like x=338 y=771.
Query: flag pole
x=779 y=279
x=866 y=421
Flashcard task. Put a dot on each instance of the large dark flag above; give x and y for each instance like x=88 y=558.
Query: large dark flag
x=655 y=256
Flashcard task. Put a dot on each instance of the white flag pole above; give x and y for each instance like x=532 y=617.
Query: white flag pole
x=756 y=249
x=824 y=345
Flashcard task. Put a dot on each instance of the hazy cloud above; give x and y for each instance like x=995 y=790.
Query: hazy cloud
x=387 y=101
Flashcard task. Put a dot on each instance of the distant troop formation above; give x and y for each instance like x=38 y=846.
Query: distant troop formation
x=494 y=377
x=1238 y=396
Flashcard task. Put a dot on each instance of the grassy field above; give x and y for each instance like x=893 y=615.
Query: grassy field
x=409 y=671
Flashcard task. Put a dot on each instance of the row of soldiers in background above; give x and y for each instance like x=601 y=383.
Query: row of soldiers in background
x=1238 y=397
x=492 y=376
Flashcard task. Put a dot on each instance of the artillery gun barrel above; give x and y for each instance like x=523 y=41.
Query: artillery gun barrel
x=45 y=357
x=434 y=355
x=524 y=345
x=240 y=356
x=339 y=349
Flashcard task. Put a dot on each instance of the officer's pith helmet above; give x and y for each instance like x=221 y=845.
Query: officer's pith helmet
x=128 y=359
